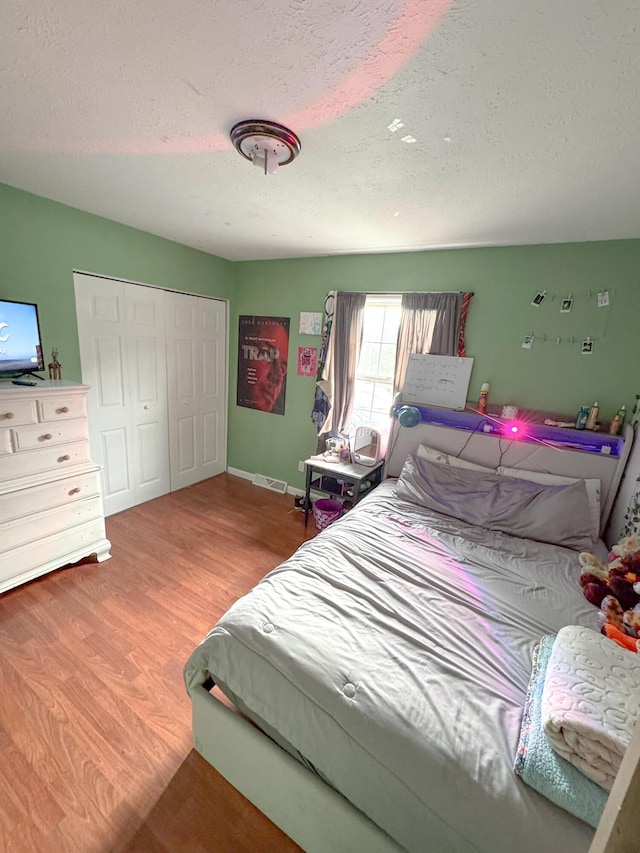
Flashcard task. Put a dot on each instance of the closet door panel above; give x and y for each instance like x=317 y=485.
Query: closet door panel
x=146 y=371
x=108 y=366
x=185 y=463
x=211 y=356
x=213 y=400
x=184 y=454
x=115 y=456
x=150 y=452
x=212 y=442
x=102 y=333
x=185 y=389
x=196 y=368
x=123 y=355
x=146 y=341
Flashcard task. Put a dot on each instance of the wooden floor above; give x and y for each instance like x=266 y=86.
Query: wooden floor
x=95 y=734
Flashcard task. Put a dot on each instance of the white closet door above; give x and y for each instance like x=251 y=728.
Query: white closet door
x=122 y=351
x=197 y=369
x=147 y=374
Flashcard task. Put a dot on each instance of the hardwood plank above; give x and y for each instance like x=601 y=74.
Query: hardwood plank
x=37 y=805
x=57 y=763
x=95 y=723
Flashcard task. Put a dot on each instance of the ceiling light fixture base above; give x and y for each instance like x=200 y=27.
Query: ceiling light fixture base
x=265 y=143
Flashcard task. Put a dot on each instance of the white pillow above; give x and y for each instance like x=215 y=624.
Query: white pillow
x=433 y=455
x=593 y=489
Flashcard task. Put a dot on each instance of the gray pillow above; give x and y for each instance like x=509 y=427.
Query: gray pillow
x=558 y=515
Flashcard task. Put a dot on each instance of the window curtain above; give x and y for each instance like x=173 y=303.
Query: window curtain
x=464 y=310
x=430 y=323
x=338 y=380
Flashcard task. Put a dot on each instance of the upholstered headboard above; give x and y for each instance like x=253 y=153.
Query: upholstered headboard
x=493 y=450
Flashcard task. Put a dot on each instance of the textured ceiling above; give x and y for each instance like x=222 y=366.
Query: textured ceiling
x=525 y=118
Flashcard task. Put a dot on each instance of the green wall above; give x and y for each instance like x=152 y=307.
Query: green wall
x=549 y=376
x=42 y=242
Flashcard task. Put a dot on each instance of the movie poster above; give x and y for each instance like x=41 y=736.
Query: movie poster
x=263 y=347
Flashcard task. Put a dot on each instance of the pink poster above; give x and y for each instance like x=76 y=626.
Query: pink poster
x=307 y=361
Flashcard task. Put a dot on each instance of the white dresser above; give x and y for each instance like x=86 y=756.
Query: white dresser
x=50 y=501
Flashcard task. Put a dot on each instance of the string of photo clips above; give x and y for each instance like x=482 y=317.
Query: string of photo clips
x=602 y=299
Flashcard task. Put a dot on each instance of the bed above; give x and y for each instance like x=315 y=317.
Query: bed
x=378 y=678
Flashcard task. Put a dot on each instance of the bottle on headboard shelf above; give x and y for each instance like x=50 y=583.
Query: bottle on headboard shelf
x=593 y=416
x=484 y=395
x=582 y=417
x=617 y=424
x=622 y=412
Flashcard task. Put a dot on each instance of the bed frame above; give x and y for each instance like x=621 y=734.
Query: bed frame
x=307 y=809
x=312 y=813
x=319 y=819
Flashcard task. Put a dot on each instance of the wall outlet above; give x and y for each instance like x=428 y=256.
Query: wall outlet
x=301 y=466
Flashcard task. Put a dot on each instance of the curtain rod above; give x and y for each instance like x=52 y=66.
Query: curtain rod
x=400 y=292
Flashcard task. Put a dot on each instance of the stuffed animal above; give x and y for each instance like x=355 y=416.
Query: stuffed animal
x=627 y=545
x=621 y=638
x=615 y=589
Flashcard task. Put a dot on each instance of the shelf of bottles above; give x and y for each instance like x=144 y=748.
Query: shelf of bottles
x=523 y=429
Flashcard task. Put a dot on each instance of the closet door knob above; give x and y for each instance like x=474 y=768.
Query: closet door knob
x=75 y=491
x=63 y=410
x=9 y=415
x=47 y=436
x=146 y=406
x=64 y=458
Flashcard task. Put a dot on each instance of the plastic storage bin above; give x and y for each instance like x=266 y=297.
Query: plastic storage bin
x=326 y=511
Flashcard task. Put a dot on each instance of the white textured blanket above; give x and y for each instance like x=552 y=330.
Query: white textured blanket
x=591 y=701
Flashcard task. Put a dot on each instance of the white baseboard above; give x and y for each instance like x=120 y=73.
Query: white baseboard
x=237 y=472
x=246 y=475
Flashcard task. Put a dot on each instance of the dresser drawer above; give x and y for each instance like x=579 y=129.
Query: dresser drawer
x=38 y=498
x=42 y=435
x=14 y=412
x=62 y=518
x=61 y=408
x=47 y=459
x=5 y=441
x=73 y=544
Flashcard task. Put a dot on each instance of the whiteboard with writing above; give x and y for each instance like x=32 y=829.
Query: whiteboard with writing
x=437 y=380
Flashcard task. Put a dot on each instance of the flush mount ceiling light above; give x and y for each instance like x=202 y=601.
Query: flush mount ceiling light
x=268 y=145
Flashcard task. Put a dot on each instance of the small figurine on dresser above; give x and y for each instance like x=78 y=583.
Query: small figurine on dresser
x=55 y=368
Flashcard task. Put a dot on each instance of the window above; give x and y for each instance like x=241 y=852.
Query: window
x=376 y=364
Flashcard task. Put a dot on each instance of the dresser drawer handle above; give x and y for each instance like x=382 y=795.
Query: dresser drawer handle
x=47 y=436
x=63 y=410
x=75 y=491
x=64 y=458
x=9 y=416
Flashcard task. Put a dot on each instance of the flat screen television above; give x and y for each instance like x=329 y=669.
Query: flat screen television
x=20 y=343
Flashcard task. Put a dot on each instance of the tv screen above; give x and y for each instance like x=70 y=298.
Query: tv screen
x=20 y=345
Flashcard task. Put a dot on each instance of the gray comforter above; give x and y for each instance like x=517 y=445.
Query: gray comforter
x=393 y=652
